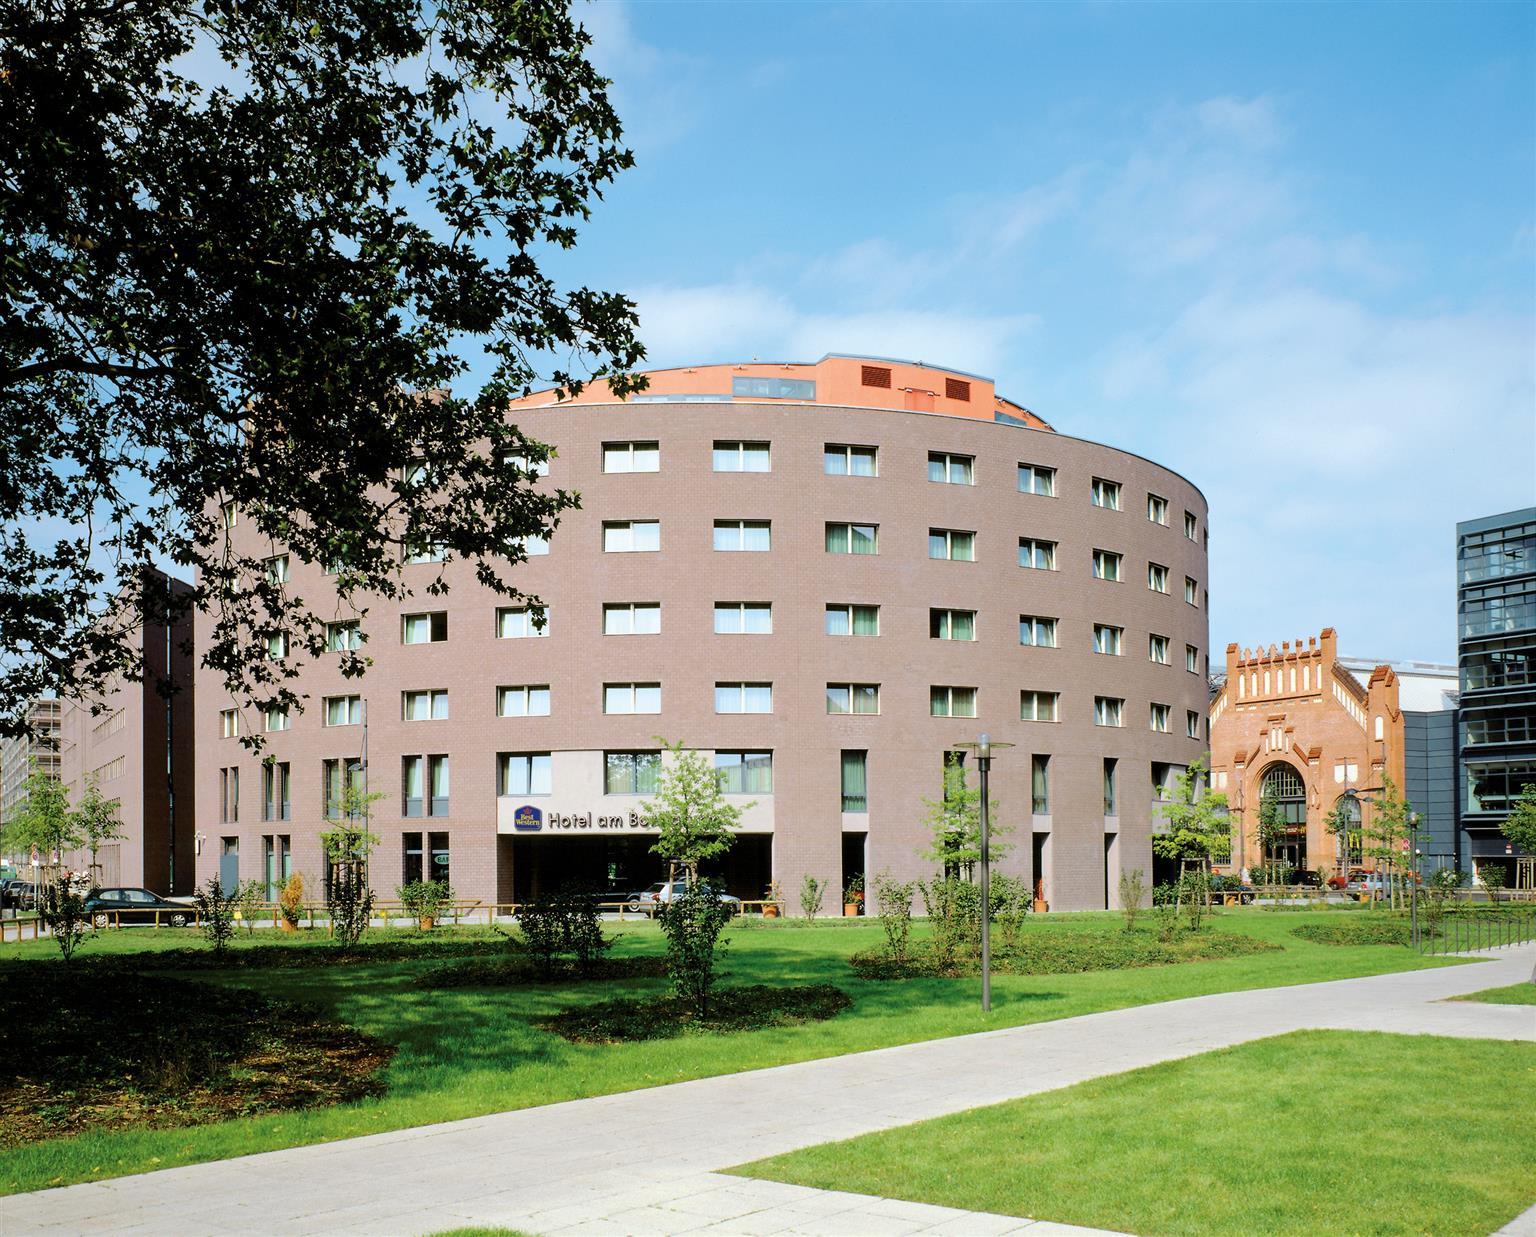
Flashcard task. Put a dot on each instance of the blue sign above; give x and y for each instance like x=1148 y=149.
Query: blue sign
x=528 y=819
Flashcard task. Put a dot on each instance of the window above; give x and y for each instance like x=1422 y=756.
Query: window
x=423 y=706
x=753 y=618
x=741 y=457
x=631 y=773
x=631 y=618
x=1040 y=785
x=1036 y=479
x=1157 y=509
x=529 y=465
x=424 y=628
x=773 y=388
x=1106 y=494
x=631 y=457
x=875 y=376
x=229 y=723
x=277 y=784
x=743 y=697
x=277 y=568
x=1037 y=632
x=841 y=460
x=532 y=545
x=745 y=773
x=1037 y=706
x=343 y=710
x=339 y=637
x=1110 y=807
x=437 y=785
x=335 y=777
x=425 y=552
x=523 y=701
x=952 y=702
x=952 y=624
x=1106 y=565
x=523 y=773
x=741 y=534
x=1107 y=711
x=852 y=538
x=1038 y=555
x=277 y=645
x=276 y=719
x=229 y=794
x=853 y=697
x=952 y=543
x=855 y=781
x=1160 y=715
x=951 y=469
x=631 y=536
x=412 y=769
x=231 y=513
x=1191 y=526
x=850 y=620
x=631 y=697
x=1191 y=724
x=1191 y=591
x=1157 y=577
x=1157 y=649
x=1107 y=639
x=520 y=622
x=1192 y=659
x=413 y=475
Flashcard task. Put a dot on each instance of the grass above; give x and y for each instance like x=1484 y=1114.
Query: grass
x=1233 y=1141
x=464 y=1052
x=1515 y=994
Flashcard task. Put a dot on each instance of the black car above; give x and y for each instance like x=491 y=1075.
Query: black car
x=116 y=906
x=18 y=895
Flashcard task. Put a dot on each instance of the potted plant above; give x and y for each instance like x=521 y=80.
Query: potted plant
x=853 y=897
x=290 y=903
x=424 y=901
x=771 y=900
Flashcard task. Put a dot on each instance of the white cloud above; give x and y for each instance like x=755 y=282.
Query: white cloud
x=1251 y=121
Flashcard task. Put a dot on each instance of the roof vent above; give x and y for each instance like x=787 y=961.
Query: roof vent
x=876 y=376
x=955 y=389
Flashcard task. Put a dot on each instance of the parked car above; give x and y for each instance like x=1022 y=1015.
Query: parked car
x=118 y=906
x=651 y=900
x=19 y=895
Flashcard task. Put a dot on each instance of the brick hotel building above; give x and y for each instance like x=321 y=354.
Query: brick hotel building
x=823 y=575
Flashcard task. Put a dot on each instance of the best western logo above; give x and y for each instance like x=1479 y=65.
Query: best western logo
x=528 y=819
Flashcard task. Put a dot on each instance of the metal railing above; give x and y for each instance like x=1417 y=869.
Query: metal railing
x=1463 y=933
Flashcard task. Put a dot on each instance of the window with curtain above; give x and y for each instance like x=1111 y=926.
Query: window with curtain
x=842 y=460
x=524 y=773
x=745 y=773
x=855 y=781
x=850 y=620
x=852 y=538
x=1040 y=785
x=743 y=618
x=411 y=770
x=952 y=624
x=1109 y=787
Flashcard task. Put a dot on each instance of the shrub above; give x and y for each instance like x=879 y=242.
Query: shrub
x=812 y=891
x=1133 y=888
x=290 y=902
x=539 y=922
x=1375 y=929
x=749 y=1008
x=424 y=899
x=61 y=910
x=249 y=897
x=954 y=913
x=853 y=895
x=693 y=921
x=563 y=924
x=895 y=914
x=216 y=910
x=1011 y=901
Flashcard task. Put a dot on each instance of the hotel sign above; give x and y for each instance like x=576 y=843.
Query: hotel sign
x=529 y=819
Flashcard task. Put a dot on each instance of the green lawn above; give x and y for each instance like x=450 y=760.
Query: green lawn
x=1515 y=994
x=469 y=1051
x=1244 y=1140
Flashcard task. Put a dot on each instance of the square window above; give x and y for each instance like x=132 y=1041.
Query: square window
x=1157 y=649
x=741 y=457
x=1108 y=711
x=1037 y=479
x=1038 y=632
x=524 y=773
x=743 y=618
x=631 y=773
x=1157 y=509
x=276 y=719
x=1107 y=639
x=843 y=460
x=1037 y=555
x=1106 y=494
x=1157 y=577
x=1106 y=565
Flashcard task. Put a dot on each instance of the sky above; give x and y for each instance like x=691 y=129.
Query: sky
x=1287 y=251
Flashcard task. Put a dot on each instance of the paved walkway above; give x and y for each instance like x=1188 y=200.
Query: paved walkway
x=647 y=1162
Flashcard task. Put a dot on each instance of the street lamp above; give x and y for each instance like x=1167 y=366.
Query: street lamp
x=983 y=750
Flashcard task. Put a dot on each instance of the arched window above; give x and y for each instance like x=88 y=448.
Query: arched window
x=1284 y=784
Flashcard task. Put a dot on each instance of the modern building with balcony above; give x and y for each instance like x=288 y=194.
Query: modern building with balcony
x=1496 y=647
x=824 y=576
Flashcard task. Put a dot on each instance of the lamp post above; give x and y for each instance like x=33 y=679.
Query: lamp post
x=983 y=750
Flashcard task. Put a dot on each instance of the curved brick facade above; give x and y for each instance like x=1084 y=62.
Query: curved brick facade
x=800 y=827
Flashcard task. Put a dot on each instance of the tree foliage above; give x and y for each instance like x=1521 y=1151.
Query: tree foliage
x=1520 y=825
x=250 y=253
x=955 y=824
x=690 y=811
x=42 y=820
x=96 y=820
x=1198 y=825
x=347 y=845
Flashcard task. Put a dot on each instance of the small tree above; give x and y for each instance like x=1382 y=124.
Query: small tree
x=1520 y=825
x=1340 y=822
x=1271 y=828
x=955 y=822
x=693 y=921
x=43 y=822
x=216 y=910
x=895 y=899
x=1389 y=833
x=347 y=848
x=252 y=893
x=1198 y=830
x=1491 y=877
x=62 y=911
x=290 y=902
x=812 y=891
x=690 y=812
x=96 y=821
x=1133 y=888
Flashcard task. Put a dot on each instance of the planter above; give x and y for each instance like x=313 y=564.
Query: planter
x=850 y=910
x=427 y=923
x=770 y=911
x=286 y=926
x=1041 y=906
